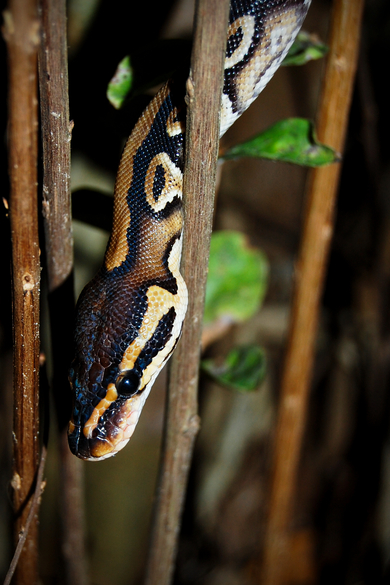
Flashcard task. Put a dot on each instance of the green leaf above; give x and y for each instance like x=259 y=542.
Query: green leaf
x=306 y=47
x=243 y=369
x=237 y=278
x=292 y=140
x=120 y=85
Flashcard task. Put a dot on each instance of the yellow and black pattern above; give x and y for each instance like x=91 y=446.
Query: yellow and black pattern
x=129 y=317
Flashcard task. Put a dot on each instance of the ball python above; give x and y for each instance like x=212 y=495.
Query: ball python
x=129 y=317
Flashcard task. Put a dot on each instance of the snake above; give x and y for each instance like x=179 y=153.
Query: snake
x=129 y=317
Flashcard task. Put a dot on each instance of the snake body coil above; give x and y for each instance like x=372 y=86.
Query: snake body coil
x=129 y=317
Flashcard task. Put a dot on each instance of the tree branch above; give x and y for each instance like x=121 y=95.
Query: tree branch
x=21 y=33
x=204 y=88
x=56 y=136
x=310 y=272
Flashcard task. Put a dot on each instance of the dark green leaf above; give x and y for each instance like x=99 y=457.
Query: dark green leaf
x=237 y=278
x=306 y=47
x=243 y=369
x=292 y=140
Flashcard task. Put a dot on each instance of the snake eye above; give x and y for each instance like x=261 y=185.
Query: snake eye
x=127 y=384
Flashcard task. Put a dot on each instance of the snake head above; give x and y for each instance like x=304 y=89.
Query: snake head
x=123 y=338
x=104 y=418
x=107 y=400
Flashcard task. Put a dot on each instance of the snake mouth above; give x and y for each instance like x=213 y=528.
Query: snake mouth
x=94 y=449
x=109 y=435
x=99 y=447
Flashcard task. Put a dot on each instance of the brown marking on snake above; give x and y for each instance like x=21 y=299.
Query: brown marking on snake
x=118 y=246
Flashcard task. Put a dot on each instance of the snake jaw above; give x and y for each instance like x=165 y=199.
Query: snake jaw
x=104 y=418
x=104 y=436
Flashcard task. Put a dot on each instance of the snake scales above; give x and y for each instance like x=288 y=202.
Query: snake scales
x=129 y=317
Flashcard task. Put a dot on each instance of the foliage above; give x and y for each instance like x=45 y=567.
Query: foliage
x=237 y=278
x=292 y=140
x=243 y=369
x=306 y=47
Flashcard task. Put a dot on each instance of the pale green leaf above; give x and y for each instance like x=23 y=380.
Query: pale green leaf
x=237 y=278
x=243 y=369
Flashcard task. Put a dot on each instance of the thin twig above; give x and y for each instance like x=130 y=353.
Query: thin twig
x=21 y=33
x=204 y=89
x=56 y=135
x=311 y=265
x=33 y=511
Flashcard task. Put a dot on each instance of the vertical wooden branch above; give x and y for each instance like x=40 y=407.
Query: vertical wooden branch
x=56 y=135
x=21 y=33
x=310 y=271
x=204 y=88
